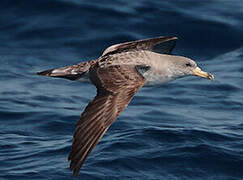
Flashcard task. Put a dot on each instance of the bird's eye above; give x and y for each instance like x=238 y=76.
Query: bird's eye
x=188 y=64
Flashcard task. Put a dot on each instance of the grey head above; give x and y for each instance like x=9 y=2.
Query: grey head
x=180 y=66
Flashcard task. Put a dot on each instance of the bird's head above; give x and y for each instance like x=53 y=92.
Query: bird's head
x=183 y=66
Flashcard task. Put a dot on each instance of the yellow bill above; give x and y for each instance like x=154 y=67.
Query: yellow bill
x=198 y=72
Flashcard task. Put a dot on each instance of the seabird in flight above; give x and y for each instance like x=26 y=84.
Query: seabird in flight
x=118 y=74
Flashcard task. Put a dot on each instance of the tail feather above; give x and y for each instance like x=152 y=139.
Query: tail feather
x=70 y=72
x=45 y=73
x=61 y=73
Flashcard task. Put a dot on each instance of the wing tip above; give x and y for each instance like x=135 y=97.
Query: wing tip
x=169 y=37
x=75 y=172
x=75 y=167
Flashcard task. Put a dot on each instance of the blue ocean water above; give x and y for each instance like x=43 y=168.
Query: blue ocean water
x=189 y=129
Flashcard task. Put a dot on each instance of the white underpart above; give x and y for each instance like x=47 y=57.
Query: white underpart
x=160 y=72
x=156 y=79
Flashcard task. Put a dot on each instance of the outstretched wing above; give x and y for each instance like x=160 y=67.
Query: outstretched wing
x=116 y=85
x=163 y=45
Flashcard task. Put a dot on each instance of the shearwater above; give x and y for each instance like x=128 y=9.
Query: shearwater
x=118 y=74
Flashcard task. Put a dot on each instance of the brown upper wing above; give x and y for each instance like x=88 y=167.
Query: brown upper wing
x=163 y=45
x=116 y=85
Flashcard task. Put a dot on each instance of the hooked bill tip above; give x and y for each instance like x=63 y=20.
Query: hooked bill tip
x=198 y=72
x=210 y=76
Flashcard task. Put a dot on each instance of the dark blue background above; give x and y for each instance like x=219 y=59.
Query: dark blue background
x=189 y=129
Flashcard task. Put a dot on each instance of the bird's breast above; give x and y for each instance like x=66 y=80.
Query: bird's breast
x=153 y=78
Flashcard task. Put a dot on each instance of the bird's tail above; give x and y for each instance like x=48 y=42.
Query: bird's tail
x=73 y=72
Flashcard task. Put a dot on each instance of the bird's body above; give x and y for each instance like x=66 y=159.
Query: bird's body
x=118 y=74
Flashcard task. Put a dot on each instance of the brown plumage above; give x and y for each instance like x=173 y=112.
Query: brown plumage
x=116 y=85
x=118 y=74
